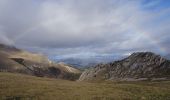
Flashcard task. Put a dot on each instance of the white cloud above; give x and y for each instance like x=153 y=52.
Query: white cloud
x=83 y=26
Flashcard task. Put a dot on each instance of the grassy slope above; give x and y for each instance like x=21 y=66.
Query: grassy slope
x=34 y=88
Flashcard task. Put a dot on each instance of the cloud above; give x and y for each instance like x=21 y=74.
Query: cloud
x=94 y=26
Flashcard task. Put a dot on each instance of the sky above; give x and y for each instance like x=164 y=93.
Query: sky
x=82 y=28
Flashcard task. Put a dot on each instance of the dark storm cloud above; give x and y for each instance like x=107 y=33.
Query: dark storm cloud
x=77 y=26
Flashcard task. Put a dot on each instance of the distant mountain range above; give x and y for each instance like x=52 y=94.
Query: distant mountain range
x=88 y=61
x=167 y=56
x=138 y=66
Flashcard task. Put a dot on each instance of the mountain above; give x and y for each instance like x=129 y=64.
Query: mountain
x=84 y=62
x=16 y=60
x=79 y=62
x=138 y=66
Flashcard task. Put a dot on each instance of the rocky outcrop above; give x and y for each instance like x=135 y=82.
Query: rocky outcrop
x=138 y=66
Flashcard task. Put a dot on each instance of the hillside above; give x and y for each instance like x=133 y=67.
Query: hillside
x=19 y=61
x=23 y=87
x=138 y=66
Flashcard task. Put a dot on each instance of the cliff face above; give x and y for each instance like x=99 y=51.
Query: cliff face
x=138 y=66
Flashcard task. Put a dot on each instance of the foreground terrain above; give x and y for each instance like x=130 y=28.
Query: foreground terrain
x=23 y=87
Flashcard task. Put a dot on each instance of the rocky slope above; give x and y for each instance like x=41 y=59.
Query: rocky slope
x=138 y=66
x=19 y=61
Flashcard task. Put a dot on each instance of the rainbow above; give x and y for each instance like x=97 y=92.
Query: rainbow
x=146 y=35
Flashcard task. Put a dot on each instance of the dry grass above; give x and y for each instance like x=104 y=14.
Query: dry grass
x=23 y=87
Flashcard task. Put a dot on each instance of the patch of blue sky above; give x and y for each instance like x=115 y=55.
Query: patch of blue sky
x=155 y=5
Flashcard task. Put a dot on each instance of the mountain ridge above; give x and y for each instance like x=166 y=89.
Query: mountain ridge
x=138 y=66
